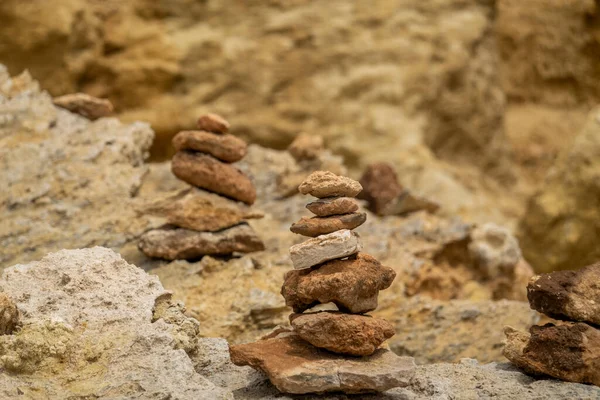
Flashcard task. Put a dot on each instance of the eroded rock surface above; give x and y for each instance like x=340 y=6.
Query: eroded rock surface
x=327 y=184
x=9 y=315
x=317 y=226
x=325 y=247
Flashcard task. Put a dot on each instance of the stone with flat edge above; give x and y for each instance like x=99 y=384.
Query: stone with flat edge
x=317 y=226
x=323 y=184
x=225 y=147
x=332 y=206
x=323 y=248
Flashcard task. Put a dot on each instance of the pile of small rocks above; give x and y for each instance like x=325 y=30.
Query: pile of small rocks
x=209 y=218
x=320 y=353
x=570 y=349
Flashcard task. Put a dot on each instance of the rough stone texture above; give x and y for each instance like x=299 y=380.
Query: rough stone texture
x=494 y=249
x=323 y=225
x=306 y=147
x=9 y=315
x=225 y=147
x=183 y=244
x=327 y=184
x=85 y=105
x=213 y=123
x=357 y=335
x=199 y=210
x=294 y=366
x=570 y=351
x=332 y=206
x=325 y=247
x=380 y=186
x=352 y=284
x=567 y=295
x=208 y=173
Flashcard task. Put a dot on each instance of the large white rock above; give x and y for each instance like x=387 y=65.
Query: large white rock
x=323 y=248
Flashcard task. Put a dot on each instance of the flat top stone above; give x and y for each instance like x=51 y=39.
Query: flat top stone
x=85 y=105
x=317 y=250
x=333 y=206
x=327 y=184
x=213 y=123
x=323 y=225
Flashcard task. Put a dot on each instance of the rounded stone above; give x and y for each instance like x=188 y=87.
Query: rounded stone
x=225 y=147
x=317 y=226
x=332 y=206
x=327 y=184
x=213 y=123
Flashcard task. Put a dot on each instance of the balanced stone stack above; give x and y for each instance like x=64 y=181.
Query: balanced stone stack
x=570 y=349
x=330 y=350
x=209 y=218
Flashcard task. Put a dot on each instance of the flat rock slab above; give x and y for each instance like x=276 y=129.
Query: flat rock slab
x=213 y=123
x=327 y=184
x=206 y=172
x=295 y=366
x=352 y=284
x=324 y=248
x=317 y=226
x=199 y=210
x=332 y=206
x=9 y=315
x=356 y=335
x=185 y=244
x=225 y=147
x=85 y=105
x=568 y=295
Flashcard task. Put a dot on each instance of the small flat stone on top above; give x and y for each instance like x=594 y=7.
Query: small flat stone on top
x=333 y=206
x=327 y=184
x=213 y=123
x=324 y=248
x=225 y=147
x=323 y=225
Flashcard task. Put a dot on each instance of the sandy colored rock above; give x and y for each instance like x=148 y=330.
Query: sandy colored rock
x=317 y=226
x=213 y=123
x=357 y=335
x=184 y=244
x=352 y=284
x=225 y=147
x=85 y=105
x=306 y=147
x=9 y=315
x=567 y=295
x=295 y=366
x=327 y=184
x=325 y=247
x=494 y=249
x=208 y=173
x=332 y=206
x=199 y=210
x=380 y=186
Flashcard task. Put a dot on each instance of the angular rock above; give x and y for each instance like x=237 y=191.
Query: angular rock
x=570 y=351
x=185 y=244
x=570 y=295
x=9 y=315
x=225 y=147
x=317 y=226
x=85 y=105
x=353 y=284
x=324 y=248
x=295 y=366
x=213 y=123
x=327 y=184
x=208 y=173
x=333 y=206
x=357 y=335
x=200 y=210
x=306 y=147
x=380 y=186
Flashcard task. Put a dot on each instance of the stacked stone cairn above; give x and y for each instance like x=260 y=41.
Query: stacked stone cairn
x=330 y=350
x=568 y=349
x=209 y=218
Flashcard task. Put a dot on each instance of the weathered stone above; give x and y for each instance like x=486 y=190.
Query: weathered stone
x=357 y=335
x=325 y=247
x=85 y=105
x=494 y=249
x=352 y=284
x=213 y=123
x=200 y=210
x=9 y=315
x=295 y=366
x=323 y=225
x=333 y=206
x=225 y=147
x=184 y=244
x=380 y=186
x=306 y=147
x=327 y=184
x=570 y=295
x=208 y=173
x=570 y=351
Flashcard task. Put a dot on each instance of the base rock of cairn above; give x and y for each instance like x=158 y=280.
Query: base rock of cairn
x=337 y=351
x=567 y=350
x=209 y=218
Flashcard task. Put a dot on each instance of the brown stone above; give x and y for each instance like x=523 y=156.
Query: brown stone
x=213 y=123
x=306 y=147
x=352 y=284
x=85 y=105
x=380 y=186
x=327 y=184
x=184 y=244
x=570 y=295
x=333 y=206
x=9 y=315
x=225 y=147
x=295 y=366
x=356 y=335
x=570 y=351
x=200 y=210
x=317 y=226
x=208 y=173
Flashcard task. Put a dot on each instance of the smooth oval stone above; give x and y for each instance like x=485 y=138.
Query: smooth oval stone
x=213 y=123
x=225 y=147
x=333 y=206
